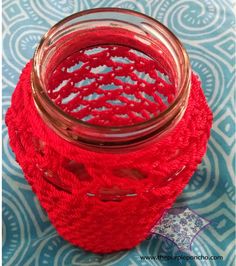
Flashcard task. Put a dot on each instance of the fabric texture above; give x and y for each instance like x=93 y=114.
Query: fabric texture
x=99 y=224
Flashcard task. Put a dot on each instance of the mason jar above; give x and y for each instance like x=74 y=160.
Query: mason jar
x=108 y=124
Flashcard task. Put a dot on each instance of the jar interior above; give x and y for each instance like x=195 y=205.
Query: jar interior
x=111 y=74
x=110 y=78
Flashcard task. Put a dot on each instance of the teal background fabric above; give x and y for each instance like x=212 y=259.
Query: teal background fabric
x=207 y=29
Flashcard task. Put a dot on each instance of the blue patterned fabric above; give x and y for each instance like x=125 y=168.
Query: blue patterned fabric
x=206 y=27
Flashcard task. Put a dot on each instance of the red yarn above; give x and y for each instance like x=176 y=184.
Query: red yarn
x=138 y=88
x=106 y=202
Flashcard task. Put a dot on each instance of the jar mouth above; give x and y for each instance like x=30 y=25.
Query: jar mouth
x=85 y=133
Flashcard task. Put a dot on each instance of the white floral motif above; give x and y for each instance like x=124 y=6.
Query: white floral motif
x=180 y=225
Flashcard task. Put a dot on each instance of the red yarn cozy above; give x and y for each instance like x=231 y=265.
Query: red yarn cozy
x=105 y=202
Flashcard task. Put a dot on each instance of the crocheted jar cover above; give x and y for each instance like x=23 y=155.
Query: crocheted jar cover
x=106 y=202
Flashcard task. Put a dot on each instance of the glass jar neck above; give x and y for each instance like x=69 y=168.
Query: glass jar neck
x=110 y=26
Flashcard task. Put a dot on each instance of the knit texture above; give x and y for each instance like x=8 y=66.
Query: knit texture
x=111 y=86
x=106 y=202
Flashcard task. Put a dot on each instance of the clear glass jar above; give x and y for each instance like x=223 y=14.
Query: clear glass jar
x=111 y=83
x=110 y=26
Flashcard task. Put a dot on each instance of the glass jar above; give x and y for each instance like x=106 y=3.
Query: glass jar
x=110 y=28
x=104 y=129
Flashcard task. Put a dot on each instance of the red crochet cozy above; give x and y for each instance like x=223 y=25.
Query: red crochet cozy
x=106 y=202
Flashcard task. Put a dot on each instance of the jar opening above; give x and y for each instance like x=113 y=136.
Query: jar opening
x=102 y=81
x=111 y=85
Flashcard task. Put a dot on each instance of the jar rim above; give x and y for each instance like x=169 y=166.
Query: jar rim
x=40 y=96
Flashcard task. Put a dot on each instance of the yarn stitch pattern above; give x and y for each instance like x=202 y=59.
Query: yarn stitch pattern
x=106 y=202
